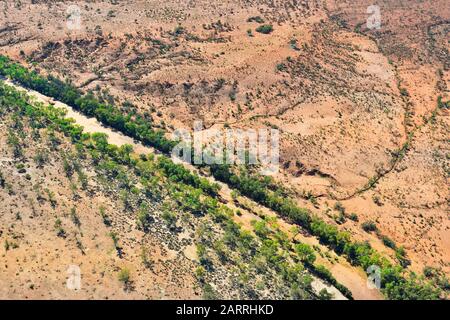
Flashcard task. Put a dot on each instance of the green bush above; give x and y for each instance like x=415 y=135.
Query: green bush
x=388 y=242
x=261 y=229
x=125 y=278
x=305 y=253
x=281 y=67
x=369 y=226
x=265 y=29
x=325 y=295
x=411 y=288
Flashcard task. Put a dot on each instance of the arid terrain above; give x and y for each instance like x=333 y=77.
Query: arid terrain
x=364 y=143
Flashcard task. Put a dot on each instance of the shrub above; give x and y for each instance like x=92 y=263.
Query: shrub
x=305 y=253
x=293 y=44
x=144 y=219
x=59 y=230
x=179 y=30
x=177 y=172
x=124 y=277
x=376 y=199
x=74 y=216
x=260 y=228
x=281 y=67
x=400 y=254
x=412 y=288
x=265 y=29
x=325 y=274
x=404 y=92
x=339 y=207
x=325 y=295
x=170 y=218
x=256 y=19
x=2 y=180
x=105 y=218
x=429 y=272
x=200 y=273
x=388 y=242
x=115 y=239
x=369 y=226
x=208 y=292
x=146 y=260
x=40 y=158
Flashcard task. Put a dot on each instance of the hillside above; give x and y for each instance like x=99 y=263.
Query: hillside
x=363 y=120
x=79 y=195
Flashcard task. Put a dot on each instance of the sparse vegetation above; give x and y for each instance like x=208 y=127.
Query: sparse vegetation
x=105 y=218
x=369 y=226
x=59 y=229
x=388 y=242
x=74 y=217
x=257 y=19
x=124 y=277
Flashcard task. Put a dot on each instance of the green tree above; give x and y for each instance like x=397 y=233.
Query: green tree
x=305 y=253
